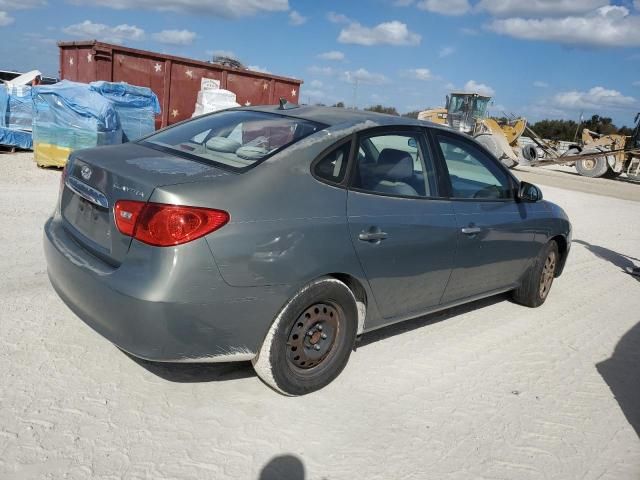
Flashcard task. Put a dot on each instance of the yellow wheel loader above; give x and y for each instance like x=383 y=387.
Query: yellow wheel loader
x=467 y=112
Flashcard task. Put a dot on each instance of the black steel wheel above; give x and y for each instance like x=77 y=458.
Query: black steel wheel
x=313 y=336
x=311 y=340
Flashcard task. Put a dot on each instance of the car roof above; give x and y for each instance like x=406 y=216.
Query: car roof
x=333 y=116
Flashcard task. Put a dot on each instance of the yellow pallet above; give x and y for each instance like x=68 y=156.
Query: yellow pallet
x=49 y=155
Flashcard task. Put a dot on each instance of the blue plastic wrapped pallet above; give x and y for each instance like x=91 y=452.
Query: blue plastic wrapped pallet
x=19 y=115
x=137 y=107
x=69 y=116
x=9 y=136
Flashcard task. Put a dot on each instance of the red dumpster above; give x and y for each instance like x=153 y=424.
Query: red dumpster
x=175 y=80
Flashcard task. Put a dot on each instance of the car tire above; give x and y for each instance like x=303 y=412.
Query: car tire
x=537 y=281
x=311 y=339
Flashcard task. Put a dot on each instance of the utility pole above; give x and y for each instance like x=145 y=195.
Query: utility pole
x=355 y=94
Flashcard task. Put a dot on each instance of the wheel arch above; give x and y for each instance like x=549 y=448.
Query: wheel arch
x=359 y=292
x=563 y=250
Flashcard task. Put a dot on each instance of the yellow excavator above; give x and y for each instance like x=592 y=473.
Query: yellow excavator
x=467 y=112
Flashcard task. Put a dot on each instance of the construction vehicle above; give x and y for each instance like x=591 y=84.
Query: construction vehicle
x=467 y=113
x=596 y=156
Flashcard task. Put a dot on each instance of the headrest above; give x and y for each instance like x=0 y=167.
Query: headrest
x=394 y=164
x=222 y=144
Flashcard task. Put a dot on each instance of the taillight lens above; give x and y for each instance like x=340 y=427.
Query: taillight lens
x=164 y=225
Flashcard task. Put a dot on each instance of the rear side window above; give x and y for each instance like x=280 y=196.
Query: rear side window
x=333 y=166
x=237 y=138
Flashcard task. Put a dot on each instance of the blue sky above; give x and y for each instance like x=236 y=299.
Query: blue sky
x=538 y=58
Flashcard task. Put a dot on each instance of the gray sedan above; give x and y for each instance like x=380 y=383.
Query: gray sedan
x=280 y=234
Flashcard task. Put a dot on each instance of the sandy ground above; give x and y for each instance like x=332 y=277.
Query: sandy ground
x=487 y=391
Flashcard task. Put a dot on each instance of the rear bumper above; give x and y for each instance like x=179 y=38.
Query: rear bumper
x=166 y=305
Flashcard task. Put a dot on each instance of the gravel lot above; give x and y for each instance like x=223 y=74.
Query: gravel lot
x=490 y=390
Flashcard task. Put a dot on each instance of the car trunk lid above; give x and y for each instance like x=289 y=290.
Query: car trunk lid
x=97 y=178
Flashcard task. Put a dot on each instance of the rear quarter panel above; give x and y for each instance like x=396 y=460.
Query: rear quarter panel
x=286 y=227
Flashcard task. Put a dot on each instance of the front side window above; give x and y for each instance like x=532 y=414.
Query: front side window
x=236 y=139
x=473 y=174
x=394 y=164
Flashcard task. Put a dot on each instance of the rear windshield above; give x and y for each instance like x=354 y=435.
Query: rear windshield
x=235 y=139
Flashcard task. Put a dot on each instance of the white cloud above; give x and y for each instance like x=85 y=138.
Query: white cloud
x=540 y=84
x=296 y=19
x=258 y=68
x=390 y=33
x=332 y=55
x=315 y=70
x=474 y=87
x=597 y=97
x=316 y=84
x=543 y=8
x=334 y=17
x=446 y=51
x=610 y=26
x=364 y=76
x=117 y=34
x=175 y=37
x=5 y=19
x=445 y=7
x=469 y=31
x=218 y=8
x=636 y=4
x=21 y=4
x=420 y=73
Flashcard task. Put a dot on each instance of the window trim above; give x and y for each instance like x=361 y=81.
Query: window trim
x=330 y=149
x=513 y=181
x=398 y=130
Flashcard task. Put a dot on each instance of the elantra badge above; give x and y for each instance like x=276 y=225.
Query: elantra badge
x=86 y=172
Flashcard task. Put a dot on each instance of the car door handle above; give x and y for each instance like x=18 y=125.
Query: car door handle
x=372 y=236
x=471 y=230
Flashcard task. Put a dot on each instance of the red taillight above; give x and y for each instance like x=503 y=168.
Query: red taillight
x=126 y=213
x=165 y=225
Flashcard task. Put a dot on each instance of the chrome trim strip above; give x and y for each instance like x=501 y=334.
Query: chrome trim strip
x=85 y=191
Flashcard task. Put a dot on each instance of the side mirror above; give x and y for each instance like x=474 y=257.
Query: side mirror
x=447 y=102
x=412 y=142
x=528 y=192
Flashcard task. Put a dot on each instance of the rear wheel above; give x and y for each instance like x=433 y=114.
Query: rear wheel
x=537 y=282
x=310 y=341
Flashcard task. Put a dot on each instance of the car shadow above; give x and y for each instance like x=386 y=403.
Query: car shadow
x=622 y=373
x=618 y=259
x=196 y=372
x=431 y=319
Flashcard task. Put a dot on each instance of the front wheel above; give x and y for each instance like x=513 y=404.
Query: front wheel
x=310 y=341
x=536 y=284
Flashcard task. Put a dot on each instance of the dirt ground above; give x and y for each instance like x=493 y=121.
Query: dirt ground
x=491 y=390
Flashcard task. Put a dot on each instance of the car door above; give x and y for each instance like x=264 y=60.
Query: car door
x=495 y=233
x=404 y=234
